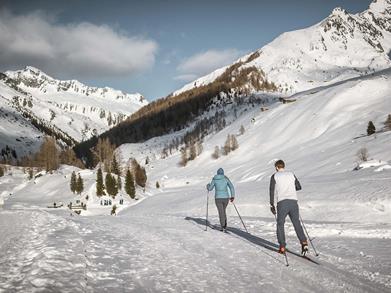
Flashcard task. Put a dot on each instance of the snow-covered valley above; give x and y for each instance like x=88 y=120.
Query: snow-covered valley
x=160 y=243
x=319 y=98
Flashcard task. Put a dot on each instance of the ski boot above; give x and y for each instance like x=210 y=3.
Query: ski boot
x=282 y=250
x=304 y=248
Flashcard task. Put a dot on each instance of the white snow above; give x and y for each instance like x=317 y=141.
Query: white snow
x=341 y=46
x=159 y=245
x=69 y=106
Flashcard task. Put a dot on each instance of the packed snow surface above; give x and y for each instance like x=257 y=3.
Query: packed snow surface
x=159 y=243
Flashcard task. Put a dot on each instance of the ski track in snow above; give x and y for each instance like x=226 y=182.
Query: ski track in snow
x=146 y=250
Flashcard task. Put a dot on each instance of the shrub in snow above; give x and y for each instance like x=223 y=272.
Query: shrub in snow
x=1 y=172
x=157 y=184
x=31 y=173
x=371 y=129
x=216 y=153
x=242 y=130
x=113 y=210
x=230 y=144
x=184 y=158
x=362 y=154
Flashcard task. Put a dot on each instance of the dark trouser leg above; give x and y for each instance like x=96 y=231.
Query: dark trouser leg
x=282 y=212
x=221 y=204
x=295 y=219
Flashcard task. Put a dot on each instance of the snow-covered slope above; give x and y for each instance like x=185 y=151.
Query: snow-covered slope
x=69 y=107
x=161 y=244
x=339 y=47
x=318 y=135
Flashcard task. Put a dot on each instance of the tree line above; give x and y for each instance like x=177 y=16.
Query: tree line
x=174 y=113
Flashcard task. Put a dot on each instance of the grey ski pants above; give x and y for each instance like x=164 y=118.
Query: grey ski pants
x=291 y=208
x=221 y=204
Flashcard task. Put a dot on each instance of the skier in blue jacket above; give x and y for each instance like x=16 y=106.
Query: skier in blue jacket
x=224 y=191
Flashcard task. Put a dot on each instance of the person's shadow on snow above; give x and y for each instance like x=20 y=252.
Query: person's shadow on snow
x=247 y=236
x=243 y=234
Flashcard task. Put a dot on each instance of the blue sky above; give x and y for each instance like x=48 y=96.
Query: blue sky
x=151 y=47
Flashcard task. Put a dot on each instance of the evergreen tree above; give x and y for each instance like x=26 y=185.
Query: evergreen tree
x=115 y=166
x=1 y=171
x=111 y=186
x=99 y=183
x=73 y=182
x=387 y=123
x=79 y=184
x=371 y=129
x=129 y=184
x=157 y=184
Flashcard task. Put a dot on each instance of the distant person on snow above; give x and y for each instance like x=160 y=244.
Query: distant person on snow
x=283 y=186
x=222 y=184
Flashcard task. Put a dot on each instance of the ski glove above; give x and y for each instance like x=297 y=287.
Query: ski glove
x=273 y=209
x=208 y=186
x=231 y=199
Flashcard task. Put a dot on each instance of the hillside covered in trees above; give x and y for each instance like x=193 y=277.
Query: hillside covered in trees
x=176 y=112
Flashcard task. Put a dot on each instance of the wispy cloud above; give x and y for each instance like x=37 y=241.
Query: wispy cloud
x=205 y=62
x=77 y=49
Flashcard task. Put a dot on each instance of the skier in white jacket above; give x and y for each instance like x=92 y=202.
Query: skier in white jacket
x=283 y=187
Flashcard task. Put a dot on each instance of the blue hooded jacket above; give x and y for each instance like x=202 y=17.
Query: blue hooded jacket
x=221 y=183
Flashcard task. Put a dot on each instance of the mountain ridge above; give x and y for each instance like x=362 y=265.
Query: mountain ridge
x=68 y=109
x=343 y=45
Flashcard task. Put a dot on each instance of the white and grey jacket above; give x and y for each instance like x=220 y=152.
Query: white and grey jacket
x=283 y=185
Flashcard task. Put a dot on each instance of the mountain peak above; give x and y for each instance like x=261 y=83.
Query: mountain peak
x=32 y=69
x=338 y=11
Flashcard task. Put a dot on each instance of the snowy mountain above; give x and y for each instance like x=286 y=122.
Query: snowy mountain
x=161 y=244
x=339 y=47
x=34 y=104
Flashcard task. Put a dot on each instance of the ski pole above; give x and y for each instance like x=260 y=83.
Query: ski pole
x=240 y=217
x=309 y=238
x=286 y=257
x=207 y=210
